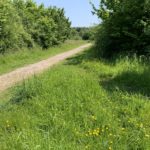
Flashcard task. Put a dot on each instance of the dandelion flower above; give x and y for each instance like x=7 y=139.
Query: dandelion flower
x=109 y=148
x=93 y=117
x=147 y=136
x=123 y=129
x=110 y=134
x=141 y=125
x=86 y=147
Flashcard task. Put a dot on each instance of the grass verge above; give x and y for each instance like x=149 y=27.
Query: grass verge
x=83 y=103
x=11 y=61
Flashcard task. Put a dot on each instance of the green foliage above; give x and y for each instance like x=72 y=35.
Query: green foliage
x=82 y=104
x=125 y=27
x=83 y=33
x=24 y=23
x=12 y=33
x=74 y=34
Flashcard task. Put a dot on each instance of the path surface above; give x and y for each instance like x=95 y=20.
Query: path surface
x=9 y=79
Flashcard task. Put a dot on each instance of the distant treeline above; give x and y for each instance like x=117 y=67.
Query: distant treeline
x=26 y=24
x=125 y=27
x=84 y=33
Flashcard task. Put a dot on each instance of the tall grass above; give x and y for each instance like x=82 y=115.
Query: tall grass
x=84 y=103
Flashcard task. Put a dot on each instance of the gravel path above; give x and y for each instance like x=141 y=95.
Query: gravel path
x=9 y=79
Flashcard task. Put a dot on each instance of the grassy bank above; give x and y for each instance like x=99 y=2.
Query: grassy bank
x=11 y=61
x=82 y=104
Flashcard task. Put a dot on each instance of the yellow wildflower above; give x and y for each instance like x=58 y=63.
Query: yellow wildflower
x=109 y=148
x=90 y=133
x=147 y=136
x=93 y=117
x=110 y=134
x=86 y=147
x=123 y=129
x=141 y=125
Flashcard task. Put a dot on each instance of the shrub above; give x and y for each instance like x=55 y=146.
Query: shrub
x=125 y=27
x=12 y=33
x=23 y=23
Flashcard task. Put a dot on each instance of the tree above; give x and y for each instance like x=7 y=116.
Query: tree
x=12 y=33
x=84 y=33
x=125 y=27
x=23 y=23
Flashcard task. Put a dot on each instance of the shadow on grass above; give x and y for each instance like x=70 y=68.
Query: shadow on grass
x=84 y=56
x=131 y=82
x=89 y=55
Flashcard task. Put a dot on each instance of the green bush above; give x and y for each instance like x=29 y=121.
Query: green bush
x=84 y=33
x=12 y=33
x=125 y=27
x=24 y=23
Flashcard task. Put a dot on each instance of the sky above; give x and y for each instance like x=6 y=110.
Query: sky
x=78 y=11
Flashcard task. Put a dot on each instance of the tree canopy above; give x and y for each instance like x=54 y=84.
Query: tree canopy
x=25 y=24
x=125 y=27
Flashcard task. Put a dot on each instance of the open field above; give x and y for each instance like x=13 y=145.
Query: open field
x=11 y=61
x=83 y=103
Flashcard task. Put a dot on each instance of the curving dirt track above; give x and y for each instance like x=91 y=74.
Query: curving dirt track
x=9 y=79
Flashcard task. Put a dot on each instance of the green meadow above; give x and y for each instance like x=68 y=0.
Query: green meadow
x=82 y=103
